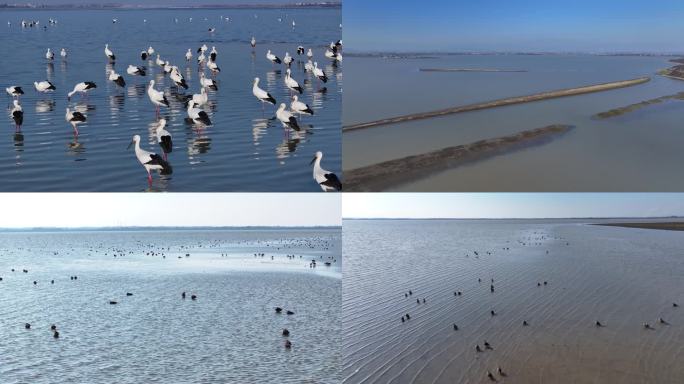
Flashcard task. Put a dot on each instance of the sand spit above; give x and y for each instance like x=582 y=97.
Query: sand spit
x=500 y=103
x=634 y=107
x=669 y=226
x=390 y=173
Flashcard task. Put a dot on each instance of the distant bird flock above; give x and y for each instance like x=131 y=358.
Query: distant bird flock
x=194 y=103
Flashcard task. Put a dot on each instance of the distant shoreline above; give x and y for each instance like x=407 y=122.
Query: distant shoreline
x=469 y=70
x=669 y=226
x=432 y=55
x=124 y=7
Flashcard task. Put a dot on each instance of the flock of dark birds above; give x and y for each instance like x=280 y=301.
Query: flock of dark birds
x=153 y=250
x=486 y=345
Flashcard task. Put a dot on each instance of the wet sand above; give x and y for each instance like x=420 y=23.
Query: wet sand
x=500 y=103
x=620 y=277
x=379 y=177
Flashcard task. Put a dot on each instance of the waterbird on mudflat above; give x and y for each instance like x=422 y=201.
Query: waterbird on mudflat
x=49 y=54
x=273 y=58
x=598 y=324
x=74 y=118
x=455 y=327
x=193 y=297
x=117 y=79
x=164 y=138
x=320 y=75
x=17 y=114
x=44 y=86
x=662 y=321
x=477 y=348
x=278 y=309
x=82 y=88
x=150 y=161
x=487 y=345
x=135 y=71
x=408 y=317
x=525 y=324
x=197 y=115
x=291 y=83
x=14 y=90
x=156 y=97
x=492 y=313
x=501 y=372
x=108 y=52
x=183 y=295
x=299 y=107
x=328 y=181
x=675 y=305
x=208 y=83
x=53 y=327
x=287 y=118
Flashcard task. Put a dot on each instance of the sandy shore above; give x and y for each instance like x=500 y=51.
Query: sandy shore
x=381 y=176
x=499 y=103
x=668 y=226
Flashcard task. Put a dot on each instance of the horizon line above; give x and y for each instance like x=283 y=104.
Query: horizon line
x=352 y=52
x=516 y=218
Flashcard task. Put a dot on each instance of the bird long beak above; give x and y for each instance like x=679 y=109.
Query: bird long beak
x=129 y=145
x=312 y=160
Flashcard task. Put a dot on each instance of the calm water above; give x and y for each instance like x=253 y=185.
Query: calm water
x=245 y=150
x=622 y=277
x=229 y=334
x=640 y=151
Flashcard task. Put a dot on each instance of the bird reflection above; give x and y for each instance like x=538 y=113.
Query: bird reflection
x=63 y=66
x=75 y=147
x=50 y=70
x=18 y=141
x=136 y=90
x=259 y=127
x=116 y=103
x=45 y=106
x=199 y=145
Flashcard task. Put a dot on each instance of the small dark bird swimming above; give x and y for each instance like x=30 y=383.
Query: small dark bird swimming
x=288 y=344
x=598 y=324
x=278 y=309
x=193 y=297
x=286 y=332
x=477 y=348
x=525 y=324
x=55 y=335
x=289 y=313
x=455 y=327
x=129 y=294
x=27 y=326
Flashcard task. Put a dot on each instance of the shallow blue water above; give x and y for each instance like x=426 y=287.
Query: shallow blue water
x=639 y=151
x=244 y=150
x=231 y=333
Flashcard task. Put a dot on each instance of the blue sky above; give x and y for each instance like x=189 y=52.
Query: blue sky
x=514 y=25
x=511 y=205
x=21 y=210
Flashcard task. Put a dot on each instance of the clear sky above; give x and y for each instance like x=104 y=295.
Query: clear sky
x=20 y=210
x=514 y=25
x=151 y=2
x=511 y=205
